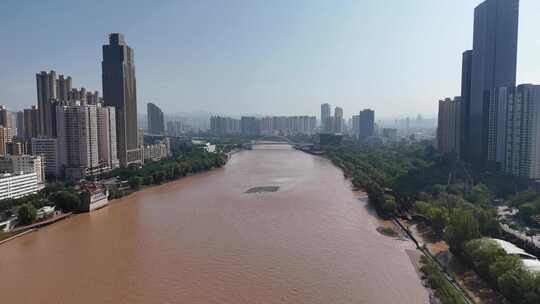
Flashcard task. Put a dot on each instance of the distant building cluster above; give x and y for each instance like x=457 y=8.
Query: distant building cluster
x=494 y=124
x=268 y=125
x=361 y=126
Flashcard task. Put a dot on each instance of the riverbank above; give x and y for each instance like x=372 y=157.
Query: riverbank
x=23 y=230
x=13 y=235
x=425 y=258
x=466 y=279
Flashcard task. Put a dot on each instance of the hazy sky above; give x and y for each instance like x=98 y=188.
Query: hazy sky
x=267 y=57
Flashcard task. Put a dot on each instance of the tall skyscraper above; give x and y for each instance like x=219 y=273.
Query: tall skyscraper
x=106 y=125
x=326 y=112
x=47 y=94
x=466 y=70
x=448 y=132
x=120 y=91
x=338 y=120
x=367 y=124
x=494 y=59
x=156 y=123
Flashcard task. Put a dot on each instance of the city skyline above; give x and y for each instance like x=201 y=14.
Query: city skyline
x=336 y=82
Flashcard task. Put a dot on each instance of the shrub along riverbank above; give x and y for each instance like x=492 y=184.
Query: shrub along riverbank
x=166 y=170
x=417 y=179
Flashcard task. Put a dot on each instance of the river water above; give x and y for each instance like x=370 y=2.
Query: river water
x=202 y=239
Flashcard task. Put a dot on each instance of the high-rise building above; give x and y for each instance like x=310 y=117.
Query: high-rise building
x=156 y=122
x=390 y=134
x=18 y=146
x=494 y=57
x=250 y=125
x=6 y=137
x=47 y=96
x=355 y=125
x=448 y=131
x=47 y=148
x=223 y=125
x=77 y=139
x=328 y=125
x=19 y=124
x=5 y=117
x=78 y=95
x=326 y=112
x=338 y=120
x=93 y=98
x=106 y=125
x=31 y=123
x=367 y=124
x=176 y=128
x=522 y=154
x=497 y=104
x=63 y=88
x=466 y=70
x=120 y=91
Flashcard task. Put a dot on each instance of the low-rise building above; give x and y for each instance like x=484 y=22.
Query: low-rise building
x=204 y=146
x=44 y=212
x=159 y=150
x=93 y=196
x=18 y=185
x=530 y=262
x=18 y=164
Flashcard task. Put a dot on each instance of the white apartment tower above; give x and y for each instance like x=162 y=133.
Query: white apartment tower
x=77 y=139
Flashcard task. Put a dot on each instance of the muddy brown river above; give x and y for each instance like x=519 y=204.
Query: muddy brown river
x=202 y=239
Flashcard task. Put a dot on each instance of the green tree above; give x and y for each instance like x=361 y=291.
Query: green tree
x=526 y=211
x=503 y=264
x=439 y=220
x=135 y=182
x=483 y=253
x=389 y=205
x=27 y=214
x=463 y=227
x=67 y=201
x=480 y=195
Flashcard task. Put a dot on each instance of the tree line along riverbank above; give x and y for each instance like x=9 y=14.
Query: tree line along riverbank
x=415 y=181
x=66 y=197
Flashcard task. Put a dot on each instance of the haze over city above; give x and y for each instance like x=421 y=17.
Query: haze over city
x=258 y=57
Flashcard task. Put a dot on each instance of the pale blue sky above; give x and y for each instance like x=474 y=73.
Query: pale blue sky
x=254 y=56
